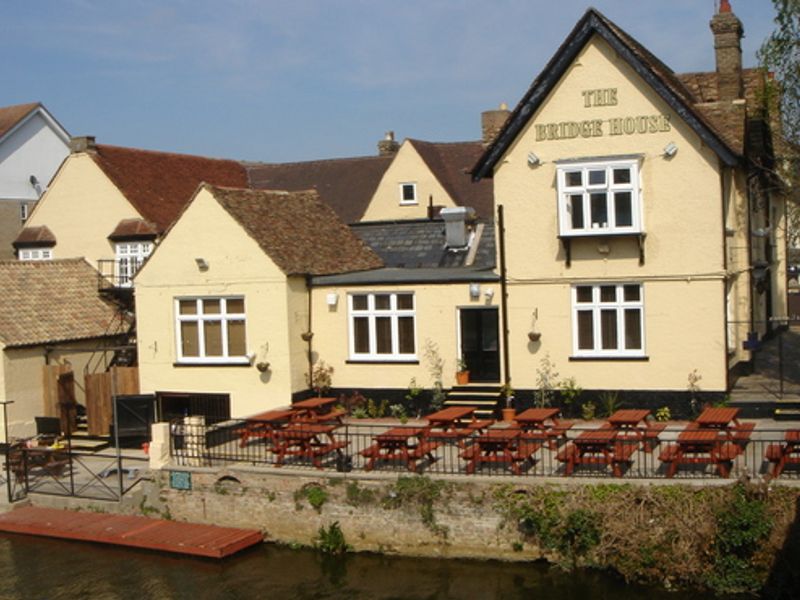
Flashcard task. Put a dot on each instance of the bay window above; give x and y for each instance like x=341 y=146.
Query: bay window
x=599 y=198
x=608 y=320
x=382 y=326
x=211 y=330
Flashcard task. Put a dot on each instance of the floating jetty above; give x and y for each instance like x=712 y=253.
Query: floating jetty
x=135 y=532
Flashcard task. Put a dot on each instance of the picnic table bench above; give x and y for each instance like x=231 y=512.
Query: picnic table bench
x=700 y=446
x=398 y=445
x=310 y=441
x=500 y=446
x=454 y=424
x=786 y=453
x=543 y=424
x=598 y=447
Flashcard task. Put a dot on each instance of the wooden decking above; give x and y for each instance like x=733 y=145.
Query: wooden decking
x=137 y=532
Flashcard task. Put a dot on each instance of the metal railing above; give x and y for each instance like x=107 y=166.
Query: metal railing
x=64 y=472
x=352 y=447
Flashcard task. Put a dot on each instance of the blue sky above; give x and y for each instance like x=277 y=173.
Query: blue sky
x=299 y=80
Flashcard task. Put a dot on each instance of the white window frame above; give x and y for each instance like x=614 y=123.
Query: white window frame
x=413 y=186
x=129 y=256
x=596 y=306
x=609 y=187
x=200 y=318
x=24 y=212
x=33 y=254
x=371 y=313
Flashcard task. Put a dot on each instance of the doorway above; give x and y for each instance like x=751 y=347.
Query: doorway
x=480 y=343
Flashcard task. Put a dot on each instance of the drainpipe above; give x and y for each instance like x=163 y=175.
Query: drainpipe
x=309 y=330
x=725 y=267
x=503 y=292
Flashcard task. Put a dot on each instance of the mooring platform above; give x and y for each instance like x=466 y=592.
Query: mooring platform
x=136 y=532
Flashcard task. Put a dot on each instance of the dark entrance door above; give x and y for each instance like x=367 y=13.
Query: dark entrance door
x=480 y=346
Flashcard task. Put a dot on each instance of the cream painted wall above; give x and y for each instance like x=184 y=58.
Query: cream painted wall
x=684 y=269
x=237 y=267
x=406 y=167
x=297 y=298
x=436 y=321
x=22 y=380
x=82 y=207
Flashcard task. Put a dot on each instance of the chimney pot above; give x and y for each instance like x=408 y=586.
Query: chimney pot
x=728 y=33
x=725 y=6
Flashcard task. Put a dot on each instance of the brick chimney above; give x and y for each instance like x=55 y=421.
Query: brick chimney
x=83 y=143
x=728 y=33
x=492 y=122
x=388 y=146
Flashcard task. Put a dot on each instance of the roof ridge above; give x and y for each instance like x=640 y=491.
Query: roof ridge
x=250 y=163
x=165 y=152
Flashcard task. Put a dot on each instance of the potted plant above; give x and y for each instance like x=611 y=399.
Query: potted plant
x=462 y=373
x=507 y=392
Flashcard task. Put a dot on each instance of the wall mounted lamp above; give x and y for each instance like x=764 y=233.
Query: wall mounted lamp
x=202 y=264
x=489 y=293
x=670 y=150
x=533 y=160
x=474 y=291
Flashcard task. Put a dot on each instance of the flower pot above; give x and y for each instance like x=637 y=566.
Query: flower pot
x=534 y=336
x=462 y=377
x=509 y=414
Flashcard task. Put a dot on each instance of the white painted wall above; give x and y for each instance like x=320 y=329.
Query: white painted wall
x=37 y=148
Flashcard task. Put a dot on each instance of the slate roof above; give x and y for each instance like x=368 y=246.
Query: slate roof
x=659 y=76
x=451 y=163
x=35 y=236
x=299 y=232
x=160 y=184
x=345 y=184
x=420 y=244
x=11 y=115
x=50 y=301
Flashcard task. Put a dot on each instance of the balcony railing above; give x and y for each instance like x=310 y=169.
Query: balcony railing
x=118 y=273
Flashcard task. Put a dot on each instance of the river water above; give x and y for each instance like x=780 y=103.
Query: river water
x=33 y=568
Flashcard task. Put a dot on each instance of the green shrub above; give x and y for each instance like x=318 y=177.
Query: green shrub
x=330 y=540
x=588 y=410
x=314 y=494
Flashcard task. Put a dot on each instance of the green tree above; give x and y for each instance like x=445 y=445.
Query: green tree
x=780 y=55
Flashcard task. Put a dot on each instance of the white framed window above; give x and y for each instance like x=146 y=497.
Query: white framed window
x=23 y=212
x=608 y=320
x=35 y=254
x=129 y=257
x=408 y=193
x=211 y=330
x=382 y=326
x=599 y=198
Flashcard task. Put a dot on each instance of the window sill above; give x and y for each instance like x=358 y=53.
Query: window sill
x=566 y=241
x=210 y=364
x=600 y=358
x=381 y=361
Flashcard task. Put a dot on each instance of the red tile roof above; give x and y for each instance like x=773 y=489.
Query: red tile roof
x=345 y=184
x=299 y=232
x=50 y=301
x=133 y=228
x=11 y=115
x=159 y=184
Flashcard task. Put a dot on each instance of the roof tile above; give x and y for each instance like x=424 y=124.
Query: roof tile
x=11 y=115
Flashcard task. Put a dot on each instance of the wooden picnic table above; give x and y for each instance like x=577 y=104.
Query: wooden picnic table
x=311 y=441
x=502 y=446
x=786 y=453
x=543 y=424
x=597 y=447
x=455 y=423
x=633 y=423
x=699 y=446
x=720 y=418
x=263 y=425
x=318 y=410
x=400 y=444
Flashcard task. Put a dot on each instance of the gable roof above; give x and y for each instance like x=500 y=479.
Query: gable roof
x=345 y=184
x=654 y=72
x=450 y=163
x=160 y=184
x=50 y=301
x=12 y=116
x=300 y=233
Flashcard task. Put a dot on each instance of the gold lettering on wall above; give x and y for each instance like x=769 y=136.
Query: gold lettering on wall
x=605 y=97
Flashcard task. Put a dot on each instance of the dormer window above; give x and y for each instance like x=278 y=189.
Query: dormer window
x=599 y=198
x=35 y=254
x=408 y=193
